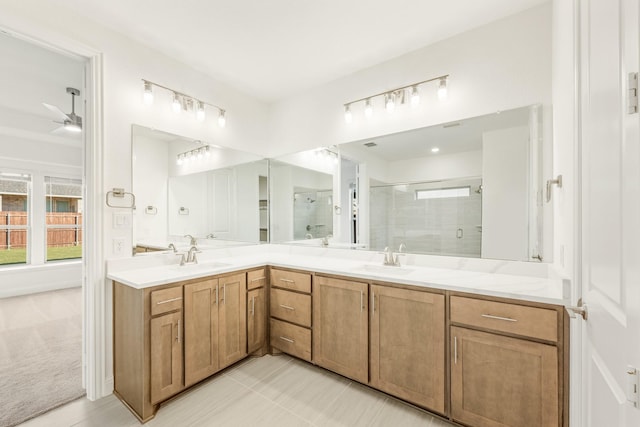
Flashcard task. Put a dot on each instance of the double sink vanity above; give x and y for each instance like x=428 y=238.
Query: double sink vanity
x=477 y=342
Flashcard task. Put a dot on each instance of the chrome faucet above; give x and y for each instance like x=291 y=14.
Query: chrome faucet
x=191 y=255
x=193 y=241
x=325 y=240
x=210 y=236
x=393 y=259
x=172 y=246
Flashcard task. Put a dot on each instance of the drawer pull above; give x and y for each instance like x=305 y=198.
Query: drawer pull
x=168 y=301
x=178 y=338
x=287 y=307
x=506 y=319
x=287 y=280
x=253 y=306
x=257 y=279
x=289 y=340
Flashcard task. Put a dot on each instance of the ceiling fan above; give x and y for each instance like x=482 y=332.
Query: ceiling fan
x=71 y=121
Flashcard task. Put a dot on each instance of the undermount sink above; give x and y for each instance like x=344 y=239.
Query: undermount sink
x=201 y=266
x=385 y=269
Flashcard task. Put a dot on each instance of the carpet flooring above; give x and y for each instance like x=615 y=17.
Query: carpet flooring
x=40 y=353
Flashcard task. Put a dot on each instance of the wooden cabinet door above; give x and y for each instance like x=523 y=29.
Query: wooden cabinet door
x=201 y=302
x=502 y=381
x=232 y=315
x=407 y=345
x=256 y=319
x=166 y=356
x=341 y=327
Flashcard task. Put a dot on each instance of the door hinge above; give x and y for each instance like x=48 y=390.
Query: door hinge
x=632 y=386
x=633 y=93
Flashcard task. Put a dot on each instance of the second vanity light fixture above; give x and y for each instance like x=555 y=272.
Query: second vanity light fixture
x=191 y=155
x=397 y=96
x=182 y=102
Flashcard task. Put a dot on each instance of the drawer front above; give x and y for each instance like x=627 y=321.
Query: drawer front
x=256 y=279
x=291 y=280
x=504 y=317
x=166 y=300
x=291 y=306
x=291 y=339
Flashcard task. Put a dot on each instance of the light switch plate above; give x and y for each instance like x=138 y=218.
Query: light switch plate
x=118 y=246
x=121 y=220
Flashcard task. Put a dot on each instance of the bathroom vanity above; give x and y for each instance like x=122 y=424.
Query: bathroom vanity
x=477 y=348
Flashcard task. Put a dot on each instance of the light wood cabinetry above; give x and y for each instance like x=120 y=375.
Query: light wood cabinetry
x=232 y=316
x=256 y=312
x=290 y=311
x=215 y=325
x=498 y=378
x=341 y=327
x=408 y=345
x=148 y=346
x=201 y=301
x=166 y=356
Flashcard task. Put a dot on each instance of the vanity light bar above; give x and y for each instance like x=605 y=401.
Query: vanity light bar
x=196 y=153
x=397 y=96
x=182 y=101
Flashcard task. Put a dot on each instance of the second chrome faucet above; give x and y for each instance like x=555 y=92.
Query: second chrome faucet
x=391 y=258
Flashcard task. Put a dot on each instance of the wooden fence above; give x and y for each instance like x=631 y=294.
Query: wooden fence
x=56 y=237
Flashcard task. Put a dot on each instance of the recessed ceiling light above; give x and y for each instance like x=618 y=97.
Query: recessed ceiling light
x=435 y=149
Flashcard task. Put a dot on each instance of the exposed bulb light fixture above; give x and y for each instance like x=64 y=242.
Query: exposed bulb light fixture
x=176 y=105
x=389 y=102
x=368 y=108
x=415 y=96
x=147 y=94
x=193 y=155
x=181 y=101
x=200 y=115
x=397 y=97
x=348 y=117
x=442 y=88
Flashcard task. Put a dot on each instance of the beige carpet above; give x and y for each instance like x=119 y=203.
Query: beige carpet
x=40 y=353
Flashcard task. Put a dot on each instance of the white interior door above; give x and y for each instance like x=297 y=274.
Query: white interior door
x=610 y=211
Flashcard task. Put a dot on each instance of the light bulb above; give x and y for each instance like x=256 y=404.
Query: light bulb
x=348 y=117
x=222 y=121
x=207 y=151
x=147 y=94
x=179 y=160
x=368 y=108
x=176 y=105
x=200 y=154
x=415 y=96
x=335 y=159
x=200 y=111
x=442 y=89
x=389 y=103
x=435 y=149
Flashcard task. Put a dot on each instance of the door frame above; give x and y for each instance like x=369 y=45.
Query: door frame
x=93 y=270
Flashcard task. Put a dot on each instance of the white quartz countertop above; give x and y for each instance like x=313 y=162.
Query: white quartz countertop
x=143 y=272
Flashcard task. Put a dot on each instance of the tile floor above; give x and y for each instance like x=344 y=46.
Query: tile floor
x=266 y=391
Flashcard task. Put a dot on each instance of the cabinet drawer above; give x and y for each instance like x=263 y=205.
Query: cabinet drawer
x=291 y=339
x=291 y=280
x=166 y=300
x=291 y=306
x=256 y=279
x=531 y=322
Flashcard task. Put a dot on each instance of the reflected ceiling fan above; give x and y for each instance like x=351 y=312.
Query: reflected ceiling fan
x=70 y=122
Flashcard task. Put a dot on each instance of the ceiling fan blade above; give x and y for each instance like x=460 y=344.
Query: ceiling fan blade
x=58 y=112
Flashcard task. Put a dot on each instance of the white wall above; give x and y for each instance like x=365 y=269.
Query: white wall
x=500 y=66
x=433 y=168
x=505 y=194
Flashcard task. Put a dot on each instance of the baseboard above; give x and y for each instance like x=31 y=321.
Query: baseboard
x=24 y=280
x=108 y=386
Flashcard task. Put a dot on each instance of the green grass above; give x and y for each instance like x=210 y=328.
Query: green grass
x=19 y=256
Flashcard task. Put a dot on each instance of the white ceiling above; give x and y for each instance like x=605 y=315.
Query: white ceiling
x=272 y=49
x=450 y=138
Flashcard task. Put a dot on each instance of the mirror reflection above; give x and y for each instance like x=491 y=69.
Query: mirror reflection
x=467 y=188
x=302 y=202
x=186 y=188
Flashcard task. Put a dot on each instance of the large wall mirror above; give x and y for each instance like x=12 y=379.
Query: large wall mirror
x=185 y=187
x=468 y=188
